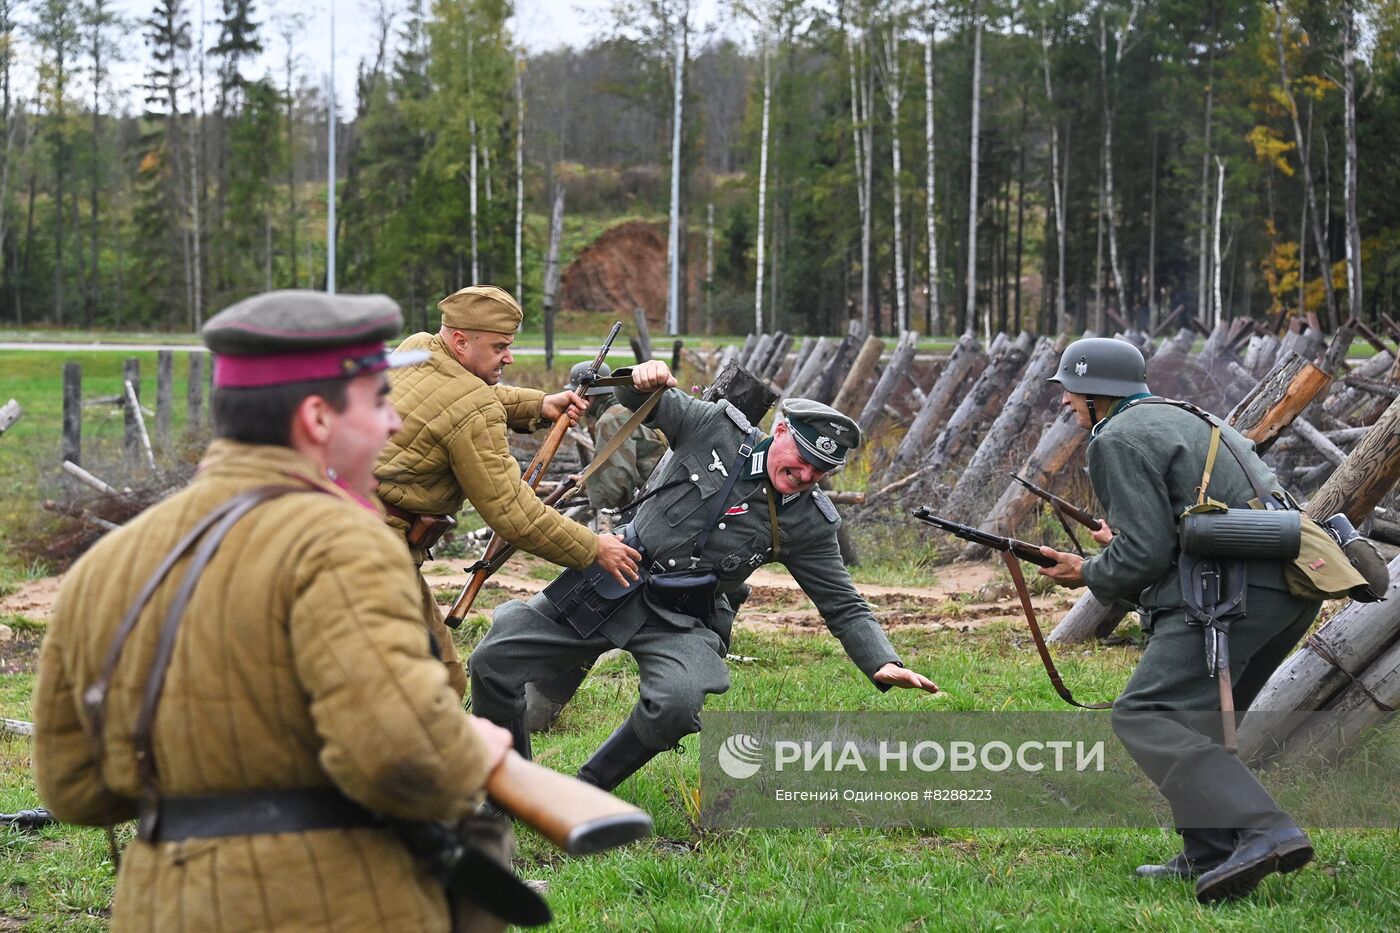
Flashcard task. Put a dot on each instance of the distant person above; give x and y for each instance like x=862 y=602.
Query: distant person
x=276 y=698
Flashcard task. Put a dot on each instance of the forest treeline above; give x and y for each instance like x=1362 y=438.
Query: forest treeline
x=941 y=166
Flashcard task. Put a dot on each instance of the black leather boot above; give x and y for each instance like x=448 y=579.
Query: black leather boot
x=1259 y=853
x=617 y=759
x=1202 y=850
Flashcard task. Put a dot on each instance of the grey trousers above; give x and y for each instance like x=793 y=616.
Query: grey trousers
x=527 y=643
x=1168 y=715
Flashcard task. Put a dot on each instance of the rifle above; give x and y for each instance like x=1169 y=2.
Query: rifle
x=1022 y=549
x=574 y=815
x=1011 y=548
x=1063 y=509
x=28 y=819
x=498 y=548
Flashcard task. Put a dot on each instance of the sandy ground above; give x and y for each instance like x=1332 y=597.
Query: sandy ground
x=963 y=595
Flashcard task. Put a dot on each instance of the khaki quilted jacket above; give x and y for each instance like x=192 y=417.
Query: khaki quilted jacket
x=302 y=662
x=452 y=448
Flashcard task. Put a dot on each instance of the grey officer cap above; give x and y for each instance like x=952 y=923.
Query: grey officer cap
x=290 y=336
x=823 y=434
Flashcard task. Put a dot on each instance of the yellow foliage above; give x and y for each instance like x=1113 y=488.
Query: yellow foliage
x=1269 y=147
x=150 y=162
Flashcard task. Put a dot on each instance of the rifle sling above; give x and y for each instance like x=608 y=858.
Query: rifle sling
x=1014 y=565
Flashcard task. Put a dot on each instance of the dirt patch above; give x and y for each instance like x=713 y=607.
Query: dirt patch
x=625 y=268
x=34 y=599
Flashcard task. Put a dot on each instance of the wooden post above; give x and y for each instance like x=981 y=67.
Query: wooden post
x=804 y=350
x=1344 y=399
x=747 y=348
x=990 y=455
x=759 y=356
x=131 y=411
x=194 y=394
x=1264 y=413
x=857 y=381
x=73 y=412
x=10 y=412
x=676 y=348
x=889 y=380
x=551 y=270
x=965 y=364
x=821 y=353
x=643 y=348
x=165 y=377
x=1058 y=444
x=1366 y=476
x=134 y=405
x=738 y=387
x=773 y=360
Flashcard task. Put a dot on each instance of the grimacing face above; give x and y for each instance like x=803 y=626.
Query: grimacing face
x=787 y=470
x=482 y=353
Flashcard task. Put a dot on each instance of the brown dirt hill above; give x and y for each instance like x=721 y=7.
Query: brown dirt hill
x=625 y=268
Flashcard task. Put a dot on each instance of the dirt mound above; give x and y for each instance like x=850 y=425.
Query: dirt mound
x=625 y=268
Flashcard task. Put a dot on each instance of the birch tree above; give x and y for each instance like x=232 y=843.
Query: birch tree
x=971 y=310
x=1349 y=111
x=520 y=176
x=1059 y=191
x=1108 y=83
x=863 y=137
x=674 y=279
x=892 y=85
x=934 y=316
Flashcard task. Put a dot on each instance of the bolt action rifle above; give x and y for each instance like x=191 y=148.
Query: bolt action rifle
x=1012 y=548
x=1064 y=510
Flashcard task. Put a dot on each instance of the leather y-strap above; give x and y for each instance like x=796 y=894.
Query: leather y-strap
x=208 y=534
x=1014 y=565
x=1266 y=499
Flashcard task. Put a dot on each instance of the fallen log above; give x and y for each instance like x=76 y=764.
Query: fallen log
x=859 y=380
x=1375 y=388
x=889 y=380
x=1319 y=441
x=1366 y=476
x=965 y=364
x=1327 y=662
x=1345 y=399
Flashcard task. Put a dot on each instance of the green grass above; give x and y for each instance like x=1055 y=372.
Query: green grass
x=687 y=879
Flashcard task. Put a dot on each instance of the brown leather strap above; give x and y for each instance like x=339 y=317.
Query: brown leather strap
x=208 y=533
x=400 y=513
x=1014 y=566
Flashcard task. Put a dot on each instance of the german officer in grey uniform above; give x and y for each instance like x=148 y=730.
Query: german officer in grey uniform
x=729 y=501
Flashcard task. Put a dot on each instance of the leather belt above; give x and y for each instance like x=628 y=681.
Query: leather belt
x=253 y=813
x=400 y=513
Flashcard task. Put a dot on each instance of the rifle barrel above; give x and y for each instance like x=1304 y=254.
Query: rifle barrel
x=1065 y=506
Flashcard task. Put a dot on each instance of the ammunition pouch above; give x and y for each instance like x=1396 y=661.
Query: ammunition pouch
x=1325 y=570
x=587 y=598
x=689 y=592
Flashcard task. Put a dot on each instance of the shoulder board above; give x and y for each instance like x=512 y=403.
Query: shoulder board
x=825 y=506
x=736 y=416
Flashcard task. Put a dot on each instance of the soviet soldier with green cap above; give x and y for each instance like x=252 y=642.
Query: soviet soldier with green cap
x=728 y=502
x=615 y=484
x=1147 y=457
x=452 y=448
x=260 y=699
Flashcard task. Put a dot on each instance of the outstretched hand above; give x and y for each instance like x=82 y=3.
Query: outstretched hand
x=896 y=676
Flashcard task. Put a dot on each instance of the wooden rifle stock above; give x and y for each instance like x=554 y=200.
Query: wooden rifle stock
x=575 y=816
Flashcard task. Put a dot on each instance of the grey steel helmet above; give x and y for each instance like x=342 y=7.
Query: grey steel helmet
x=577 y=373
x=1102 y=366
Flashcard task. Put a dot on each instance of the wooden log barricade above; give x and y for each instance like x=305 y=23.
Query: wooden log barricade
x=977 y=407
x=823 y=388
x=10 y=412
x=1277 y=399
x=786 y=371
x=821 y=354
x=855 y=388
x=1028 y=397
x=889 y=380
x=965 y=364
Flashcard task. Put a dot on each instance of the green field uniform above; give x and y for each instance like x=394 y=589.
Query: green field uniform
x=1145 y=463
x=681 y=658
x=616 y=483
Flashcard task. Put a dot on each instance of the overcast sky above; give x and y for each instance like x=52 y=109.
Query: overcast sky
x=539 y=24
